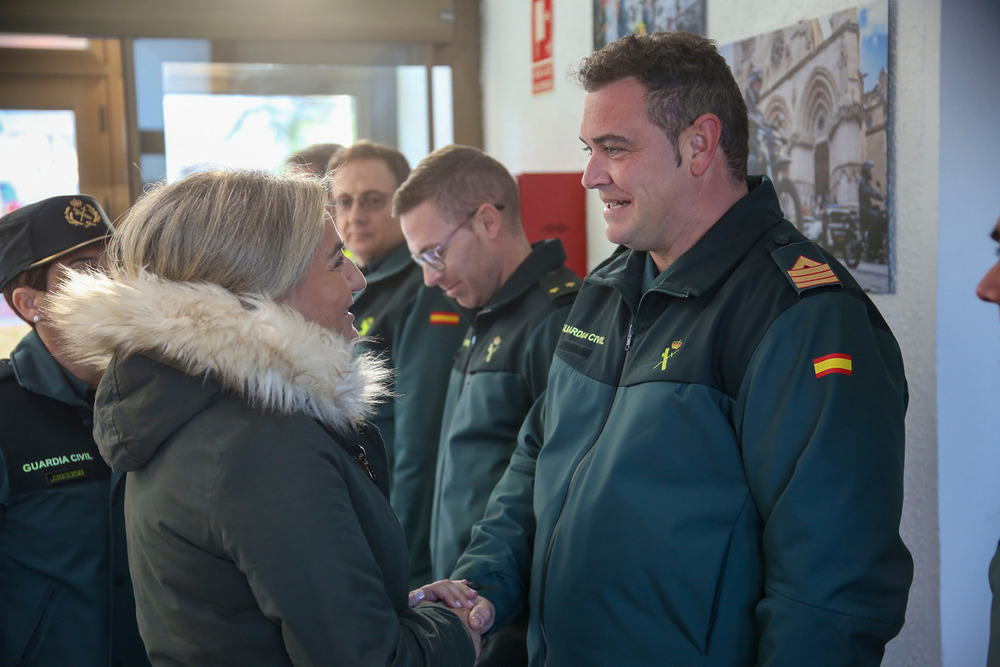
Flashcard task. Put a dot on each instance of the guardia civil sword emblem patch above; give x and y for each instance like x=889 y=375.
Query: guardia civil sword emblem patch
x=366 y=326
x=668 y=353
x=492 y=348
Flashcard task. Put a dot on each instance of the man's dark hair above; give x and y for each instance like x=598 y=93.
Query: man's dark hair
x=685 y=76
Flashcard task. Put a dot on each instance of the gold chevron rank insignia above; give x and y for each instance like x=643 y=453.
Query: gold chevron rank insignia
x=808 y=273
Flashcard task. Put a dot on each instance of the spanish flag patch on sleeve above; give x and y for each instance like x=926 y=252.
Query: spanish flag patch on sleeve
x=833 y=363
x=444 y=317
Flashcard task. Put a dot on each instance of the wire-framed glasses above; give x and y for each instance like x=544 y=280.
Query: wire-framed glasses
x=433 y=257
x=369 y=201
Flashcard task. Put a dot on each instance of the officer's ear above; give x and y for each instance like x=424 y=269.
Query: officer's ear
x=701 y=140
x=27 y=302
x=491 y=219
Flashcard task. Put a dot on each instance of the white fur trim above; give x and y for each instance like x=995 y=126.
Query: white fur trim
x=259 y=349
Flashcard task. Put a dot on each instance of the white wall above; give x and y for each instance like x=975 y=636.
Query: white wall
x=540 y=133
x=537 y=132
x=968 y=344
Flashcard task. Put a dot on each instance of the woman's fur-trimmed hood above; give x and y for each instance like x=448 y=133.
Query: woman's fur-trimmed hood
x=253 y=346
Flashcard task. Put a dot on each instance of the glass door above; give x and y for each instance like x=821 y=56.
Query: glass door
x=62 y=130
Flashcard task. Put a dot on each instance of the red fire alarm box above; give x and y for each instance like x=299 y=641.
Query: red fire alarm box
x=554 y=205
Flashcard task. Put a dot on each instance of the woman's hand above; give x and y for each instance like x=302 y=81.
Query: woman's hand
x=476 y=612
x=456 y=594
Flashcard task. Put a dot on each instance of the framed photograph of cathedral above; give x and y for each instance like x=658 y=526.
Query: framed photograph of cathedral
x=817 y=94
x=617 y=18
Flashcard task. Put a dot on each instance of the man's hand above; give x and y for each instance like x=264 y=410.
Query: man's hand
x=476 y=612
x=474 y=634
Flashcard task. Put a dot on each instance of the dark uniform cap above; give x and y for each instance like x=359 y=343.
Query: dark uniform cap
x=39 y=233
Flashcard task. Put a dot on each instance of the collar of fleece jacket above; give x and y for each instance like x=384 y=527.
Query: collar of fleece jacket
x=254 y=346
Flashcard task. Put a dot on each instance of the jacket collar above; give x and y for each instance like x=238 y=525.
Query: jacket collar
x=38 y=372
x=710 y=259
x=545 y=256
x=252 y=346
x=397 y=260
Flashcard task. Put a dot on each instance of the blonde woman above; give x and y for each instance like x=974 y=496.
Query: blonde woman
x=259 y=531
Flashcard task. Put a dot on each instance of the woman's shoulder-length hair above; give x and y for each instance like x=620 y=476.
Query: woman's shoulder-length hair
x=248 y=231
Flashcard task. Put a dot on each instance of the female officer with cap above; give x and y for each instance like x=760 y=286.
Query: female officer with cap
x=65 y=592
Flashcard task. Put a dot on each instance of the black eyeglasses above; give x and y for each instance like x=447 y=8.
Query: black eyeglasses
x=369 y=201
x=432 y=257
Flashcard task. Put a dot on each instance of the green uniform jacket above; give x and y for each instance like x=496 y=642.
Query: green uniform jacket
x=500 y=371
x=65 y=592
x=417 y=329
x=256 y=535
x=704 y=483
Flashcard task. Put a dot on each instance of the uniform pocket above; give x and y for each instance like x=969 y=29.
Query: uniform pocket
x=38 y=630
x=573 y=349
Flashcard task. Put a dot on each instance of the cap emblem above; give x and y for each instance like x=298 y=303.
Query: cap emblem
x=80 y=214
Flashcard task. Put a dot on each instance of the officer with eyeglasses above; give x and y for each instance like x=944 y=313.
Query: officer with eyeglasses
x=412 y=325
x=461 y=218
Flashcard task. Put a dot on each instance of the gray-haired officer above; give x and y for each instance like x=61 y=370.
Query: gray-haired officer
x=65 y=591
x=414 y=326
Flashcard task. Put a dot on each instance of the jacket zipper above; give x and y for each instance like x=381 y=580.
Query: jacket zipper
x=361 y=458
x=569 y=487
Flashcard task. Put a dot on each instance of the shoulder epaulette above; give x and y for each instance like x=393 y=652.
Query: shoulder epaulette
x=804 y=265
x=560 y=283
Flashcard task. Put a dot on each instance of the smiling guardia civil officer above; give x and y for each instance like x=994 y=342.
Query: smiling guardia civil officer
x=715 y=474
x=65 y=592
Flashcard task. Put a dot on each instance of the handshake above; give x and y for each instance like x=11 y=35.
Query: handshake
x=475 y=611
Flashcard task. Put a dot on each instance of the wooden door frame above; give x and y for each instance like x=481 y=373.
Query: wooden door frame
x=90 y=83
